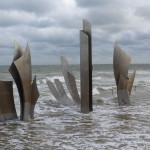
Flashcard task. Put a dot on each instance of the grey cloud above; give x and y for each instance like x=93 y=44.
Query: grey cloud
x=52 y=29
x=100 y=17
x=12 y=18
x=98 y=3
x=34 y=6
x=143 y=12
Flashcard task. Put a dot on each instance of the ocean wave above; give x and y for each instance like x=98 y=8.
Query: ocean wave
x=61 y=78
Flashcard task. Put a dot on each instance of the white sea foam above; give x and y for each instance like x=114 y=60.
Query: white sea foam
x=61 y=78
x=95 y=91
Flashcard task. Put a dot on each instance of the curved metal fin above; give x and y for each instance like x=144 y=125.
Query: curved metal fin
x=55 y=93
x=73 y=87
x=65 y=69
x=121 y=62
x=53 y=90
x=15 y=74
x=35 y=96
x=7 y=106
x=123 y=97
x=18 y=51
x=62 y=92
x=130 y=82
x=23 y=65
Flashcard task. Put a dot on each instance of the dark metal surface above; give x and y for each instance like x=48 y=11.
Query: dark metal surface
x=7 y=106
x=86 y=67
x=84 y=72
x=87 y=29
x=14 y=72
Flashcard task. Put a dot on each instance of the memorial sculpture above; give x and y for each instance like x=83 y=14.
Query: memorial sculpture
x=58 y=90
x=7 y=106
x=21 y=72
x=85 y=75
x=86 y=67
x=121 y=62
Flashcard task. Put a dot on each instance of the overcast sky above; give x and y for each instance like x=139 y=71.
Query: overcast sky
x=51 y=27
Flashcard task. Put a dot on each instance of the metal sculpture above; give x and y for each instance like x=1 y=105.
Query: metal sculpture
x=86 y=67
x=22 y=74
x=70 y=80
x=121 y=62
x=7 y=106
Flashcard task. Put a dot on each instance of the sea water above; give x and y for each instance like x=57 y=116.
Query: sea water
x=57 y=127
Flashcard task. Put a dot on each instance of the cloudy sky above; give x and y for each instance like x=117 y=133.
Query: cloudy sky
x=51 y=27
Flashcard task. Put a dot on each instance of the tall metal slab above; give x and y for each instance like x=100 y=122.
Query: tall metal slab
x=86 y=67
x=65 y=68
x=84 y=72
x=87 y=29
x=7 y=106
x=34 y=95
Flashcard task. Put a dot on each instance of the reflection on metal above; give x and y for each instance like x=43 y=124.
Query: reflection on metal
x=130 y=82
x=121 y=62
x=86 y=67
x=62 y=92
x=35 y=95
x=7 y=106
x=70 y=83
x=20 y=70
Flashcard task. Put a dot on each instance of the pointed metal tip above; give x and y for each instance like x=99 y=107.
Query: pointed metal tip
x=116 y=44
x=61 y=57
x=27 y=47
